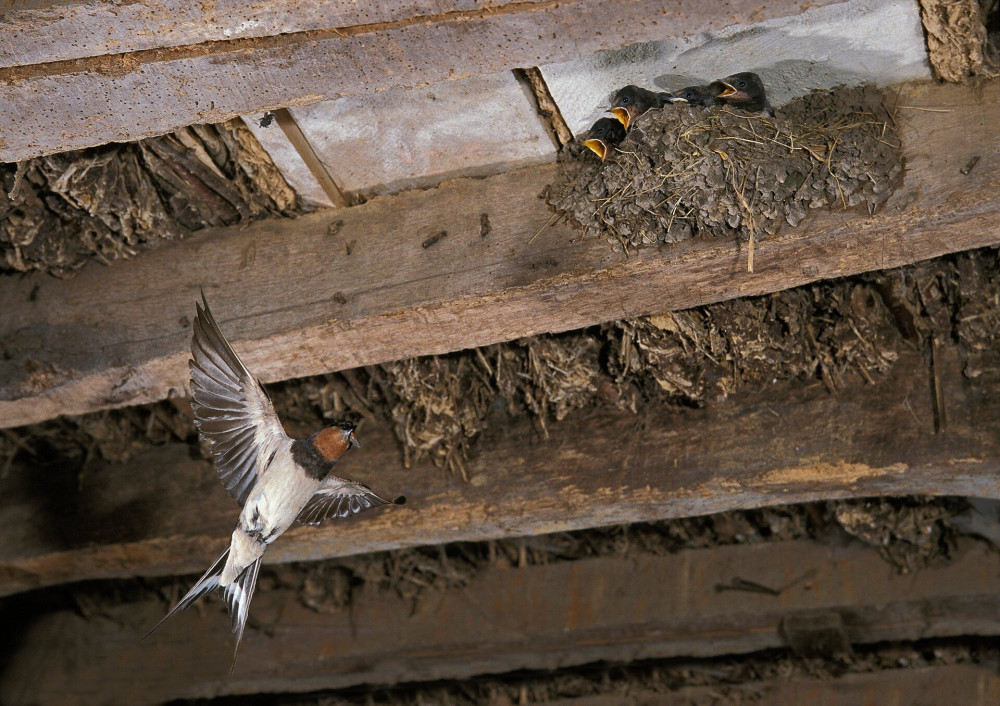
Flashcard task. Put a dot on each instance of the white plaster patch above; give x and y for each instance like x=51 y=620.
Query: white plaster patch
x=855 y=42
x=400 y=139
x=288 y=161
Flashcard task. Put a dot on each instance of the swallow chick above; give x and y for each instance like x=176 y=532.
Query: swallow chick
x=701 y=96
x=276 y=479
x=745 y=91
x=603 y=135
x=631 y=101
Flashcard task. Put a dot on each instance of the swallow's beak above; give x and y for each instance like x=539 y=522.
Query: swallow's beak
x=597 y=147
x=353 y=439
x=678 y=99
x=727 y=91
x=623 y=117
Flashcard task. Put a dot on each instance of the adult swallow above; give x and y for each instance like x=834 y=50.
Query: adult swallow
x=745 y=91
x=278 y=480
x=631 y=101
x=603 y=135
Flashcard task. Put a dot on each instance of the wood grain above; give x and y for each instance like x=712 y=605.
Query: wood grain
x=156 y=85
x=337 y=290
x=618 y=608
x=166 y=513
x=967 y=684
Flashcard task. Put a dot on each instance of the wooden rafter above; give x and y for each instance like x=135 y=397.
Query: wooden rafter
x=166 y=513
x=358 y=286
x=505 y=619
x=100 y=73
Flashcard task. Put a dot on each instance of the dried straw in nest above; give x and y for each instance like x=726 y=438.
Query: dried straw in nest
x=686 y=171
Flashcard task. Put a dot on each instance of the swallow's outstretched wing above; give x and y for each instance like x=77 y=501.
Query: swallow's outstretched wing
x=338 y=497
x=231 y=409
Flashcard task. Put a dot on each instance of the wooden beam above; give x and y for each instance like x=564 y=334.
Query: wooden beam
x=99 y=73
x=504 y=619
x=354 y=287
x=970 y=685
x=166 y=513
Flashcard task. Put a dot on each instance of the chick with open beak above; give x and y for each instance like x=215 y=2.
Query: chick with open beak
x=745 y=91
x=631 y=101
x=603 y=135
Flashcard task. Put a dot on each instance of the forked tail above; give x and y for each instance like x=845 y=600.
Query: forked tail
x=238 y=595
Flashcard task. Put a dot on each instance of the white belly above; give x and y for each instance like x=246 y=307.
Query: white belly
x=278 y=497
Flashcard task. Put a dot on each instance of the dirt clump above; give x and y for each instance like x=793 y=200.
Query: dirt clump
x=111 y=202
x=909 y=533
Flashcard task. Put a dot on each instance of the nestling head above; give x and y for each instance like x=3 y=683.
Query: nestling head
x=745 y=90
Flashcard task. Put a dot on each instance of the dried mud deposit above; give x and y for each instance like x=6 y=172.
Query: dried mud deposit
x=838 y=334
x=686 y=171
x=108 y=203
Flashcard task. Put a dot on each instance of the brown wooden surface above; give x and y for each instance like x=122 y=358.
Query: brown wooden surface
x=504 y=619
x=963 y=684
x=295 y=304
x=99 y=73
x=164 y=513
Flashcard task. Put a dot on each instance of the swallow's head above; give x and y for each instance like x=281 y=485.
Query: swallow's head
x=699 y=95
x=743 y=90
x=626 y=105
x=333 y=442
x=603 y=135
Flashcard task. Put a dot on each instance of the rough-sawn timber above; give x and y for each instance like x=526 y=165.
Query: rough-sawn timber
x=354 y=287
x=613 y=608
x=78 y=74
x=166 y=513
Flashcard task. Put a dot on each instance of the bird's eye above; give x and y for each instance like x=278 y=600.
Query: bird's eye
x=624 y=100
x=742 y=84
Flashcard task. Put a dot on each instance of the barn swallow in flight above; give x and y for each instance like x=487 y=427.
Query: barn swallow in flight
x=745 y=91
x=278 y=480
x=631 y=101
x=603 y=135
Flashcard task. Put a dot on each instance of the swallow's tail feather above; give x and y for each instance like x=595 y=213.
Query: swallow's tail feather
x=206 y=584
x=238 y=596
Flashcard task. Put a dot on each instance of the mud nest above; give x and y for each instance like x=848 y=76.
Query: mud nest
x=685 y=171
x=108 y=203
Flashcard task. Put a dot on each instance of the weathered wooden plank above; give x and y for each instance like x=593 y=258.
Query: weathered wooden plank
x=296 y=303
x=128 y=96
x=504 y=619
x=166 y=513
x=59 y=31
x=965 y=684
